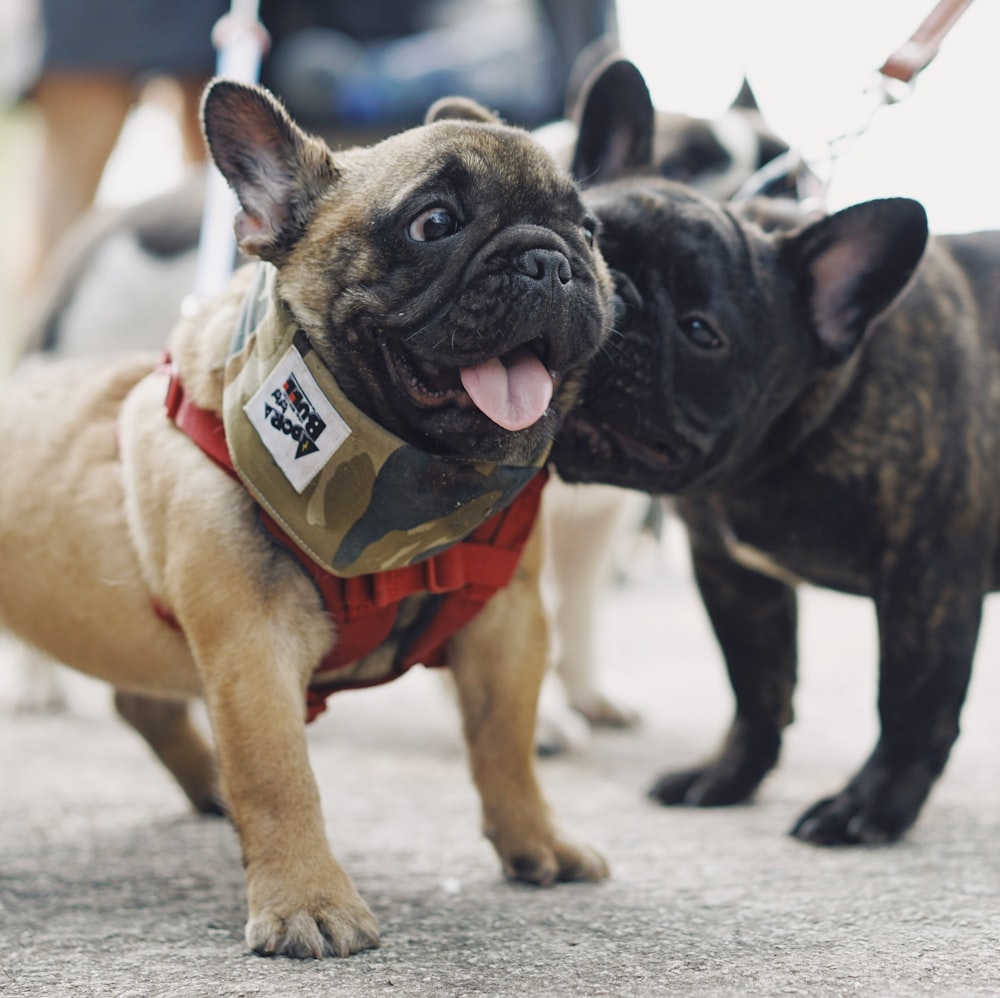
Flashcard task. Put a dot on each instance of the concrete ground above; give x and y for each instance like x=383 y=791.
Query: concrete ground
x=108 y=886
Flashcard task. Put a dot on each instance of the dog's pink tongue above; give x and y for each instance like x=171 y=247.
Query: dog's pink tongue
x=514 y=394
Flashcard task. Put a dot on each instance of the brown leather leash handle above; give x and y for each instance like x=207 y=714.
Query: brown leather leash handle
x=916 y=53
x=902 y=67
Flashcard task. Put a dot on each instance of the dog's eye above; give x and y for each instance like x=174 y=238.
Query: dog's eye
x=589 y=230
x=435 y=223
x=700 y=333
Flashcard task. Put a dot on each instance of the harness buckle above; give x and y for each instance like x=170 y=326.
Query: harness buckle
x=175 y=390
x=359 y=592
x=445 y=572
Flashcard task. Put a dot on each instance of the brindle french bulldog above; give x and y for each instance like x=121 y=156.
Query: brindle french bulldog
x=616 y=131
x=446 y=284
x=809 y=434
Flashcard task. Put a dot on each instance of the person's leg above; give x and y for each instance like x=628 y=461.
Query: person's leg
x=80 y=117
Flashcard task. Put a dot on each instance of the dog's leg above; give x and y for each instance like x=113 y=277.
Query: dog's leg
x=928 y=626
x=498 y=661
x=584 y=524
x=301 y=902
x=166 y=726
x=256 y=637
x=38 y=687
x=755 y=623
x=256 y=629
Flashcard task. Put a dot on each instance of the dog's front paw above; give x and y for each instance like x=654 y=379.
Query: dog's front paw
x=551 y=858
x=844 y=820
x=331 y=922
x=707 y=786
x=731 y=778
x=878 y=805
x=849 y=819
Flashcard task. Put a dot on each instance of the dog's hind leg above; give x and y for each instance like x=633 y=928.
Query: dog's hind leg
x=929 y=610
x=167 y=727
x=584 y=525
x=38 y=686
x=498 y=661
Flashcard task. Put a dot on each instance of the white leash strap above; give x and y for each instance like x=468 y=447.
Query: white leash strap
x=240 y=40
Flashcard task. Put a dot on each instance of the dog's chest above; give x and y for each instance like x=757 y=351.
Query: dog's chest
x=791 y=544
x=386 y=661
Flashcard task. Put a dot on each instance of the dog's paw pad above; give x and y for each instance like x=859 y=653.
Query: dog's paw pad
x=672 y=788
x=730 y=779
x=578 y=861
x=826 y=823
x=560 y=859
x=305 y=935
x=700 y=788
x=533 y=868
x=845 y=821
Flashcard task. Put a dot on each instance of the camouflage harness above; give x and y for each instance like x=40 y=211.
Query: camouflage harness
x=373 y=520
x=355 y=498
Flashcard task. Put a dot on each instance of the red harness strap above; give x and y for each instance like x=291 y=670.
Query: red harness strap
x=463 y=577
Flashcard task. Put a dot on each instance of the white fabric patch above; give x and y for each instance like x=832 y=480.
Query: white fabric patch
x=295 y=420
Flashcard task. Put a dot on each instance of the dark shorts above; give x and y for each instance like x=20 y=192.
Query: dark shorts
x=133 y=37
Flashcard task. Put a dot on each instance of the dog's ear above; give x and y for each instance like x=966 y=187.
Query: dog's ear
x=853 y=265
x=276 y=170
x=461 y=109
x=769 y=145
x=615 y=117
x=746 y=99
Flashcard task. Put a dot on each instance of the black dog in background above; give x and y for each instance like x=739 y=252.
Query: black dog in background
x=824 y=415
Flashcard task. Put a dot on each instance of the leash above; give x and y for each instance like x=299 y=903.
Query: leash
x=892 y=83
x=241 y=41
x=917 y=53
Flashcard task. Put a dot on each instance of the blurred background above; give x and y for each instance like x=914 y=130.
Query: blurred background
x=99 y=98
x=809 y=65
x=99 y=95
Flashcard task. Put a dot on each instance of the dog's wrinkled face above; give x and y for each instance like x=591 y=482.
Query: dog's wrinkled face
x=729 y=343
x=448 y=276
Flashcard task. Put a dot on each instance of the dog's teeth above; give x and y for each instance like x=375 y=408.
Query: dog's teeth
x=424 y=389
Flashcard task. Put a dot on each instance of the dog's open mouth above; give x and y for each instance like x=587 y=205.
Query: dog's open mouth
x=513 y=390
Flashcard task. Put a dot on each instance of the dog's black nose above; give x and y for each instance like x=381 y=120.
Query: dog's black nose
x=544 y=265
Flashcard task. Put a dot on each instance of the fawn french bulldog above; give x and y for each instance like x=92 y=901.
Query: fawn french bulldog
x=335 y=476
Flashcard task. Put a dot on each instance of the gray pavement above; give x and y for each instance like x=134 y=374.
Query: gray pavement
x=108 y=886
